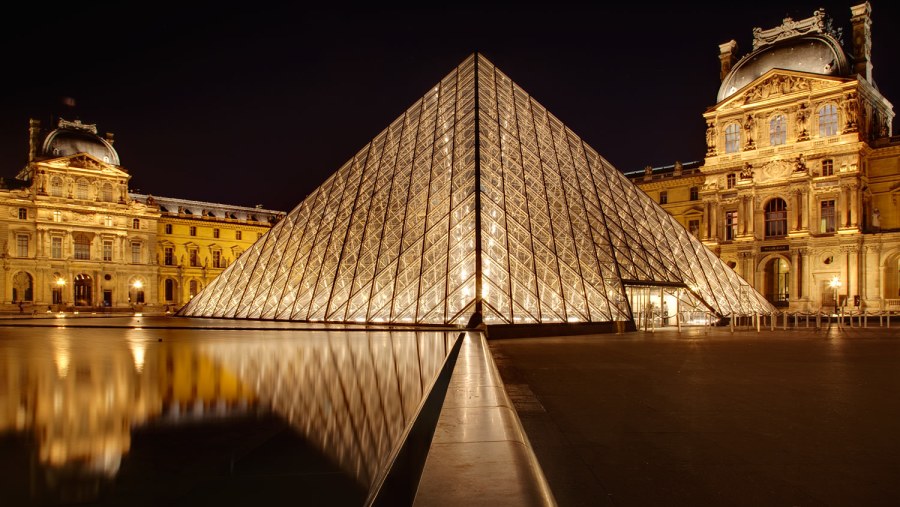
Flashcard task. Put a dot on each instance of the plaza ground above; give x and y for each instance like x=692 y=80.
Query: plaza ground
x=709 y=417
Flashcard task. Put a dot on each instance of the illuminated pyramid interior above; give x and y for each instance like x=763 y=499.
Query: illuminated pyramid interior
x=475 y=205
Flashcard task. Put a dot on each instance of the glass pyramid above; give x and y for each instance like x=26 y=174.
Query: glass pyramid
x=476 y=202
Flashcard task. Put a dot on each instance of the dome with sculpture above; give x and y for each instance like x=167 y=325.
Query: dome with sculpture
x=71 y=137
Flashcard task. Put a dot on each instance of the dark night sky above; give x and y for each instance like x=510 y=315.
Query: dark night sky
x=260 y=103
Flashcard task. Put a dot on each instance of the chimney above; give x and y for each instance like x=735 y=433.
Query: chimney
x=861 y=19
x=727 y=57
x=110 y=138
x=34 y=134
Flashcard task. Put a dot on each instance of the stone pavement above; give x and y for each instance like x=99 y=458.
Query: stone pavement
x=710 y=417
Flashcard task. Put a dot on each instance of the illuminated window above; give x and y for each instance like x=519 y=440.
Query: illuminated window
x=828 y=167
x=777 y=130
x=731 y=224
x=23 y=214
x=168 y=228
x=21 y=245
x=107 y=250
x=695 y=193
x=56 y=186
x=169 y=256
x=730 y=180
x=215 y=233
x=828 y=120
x=663 y=197
x=81 y=189
x=57 y=216
x=82 y=248
x=217 y=259
x=732 y=138
x=56 y=248
x=193 y=288
x=135 y=253
x=107 y=192
x=194 y=258
x=776 y=218
x=136 y=223
x=193 y=230
x=827 y=216
x=237 y=234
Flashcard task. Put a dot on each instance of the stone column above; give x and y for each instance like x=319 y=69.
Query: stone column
x=853 y=191
x=805 y=282
x=795 y=275
x=716 y=211
x=804 y=203
x=751 y=214
x=707 y=222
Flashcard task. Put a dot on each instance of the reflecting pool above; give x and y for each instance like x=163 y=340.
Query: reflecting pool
x=163 y=415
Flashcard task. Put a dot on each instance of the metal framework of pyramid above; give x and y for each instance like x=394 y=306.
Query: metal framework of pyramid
x=475 y=205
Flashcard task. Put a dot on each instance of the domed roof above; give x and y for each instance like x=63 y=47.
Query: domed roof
x=814 y=53
x=76 y=137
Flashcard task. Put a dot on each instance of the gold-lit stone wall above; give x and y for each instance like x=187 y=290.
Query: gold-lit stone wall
x=800 y=183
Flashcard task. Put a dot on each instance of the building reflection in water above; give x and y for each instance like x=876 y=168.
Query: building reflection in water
x=77 y=394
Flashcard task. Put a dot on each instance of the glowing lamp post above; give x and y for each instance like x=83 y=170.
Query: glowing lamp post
x=138 y=285
x=835 y=283
x=60 y=286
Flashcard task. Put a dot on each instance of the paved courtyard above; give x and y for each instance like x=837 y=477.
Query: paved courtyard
x=709 y=417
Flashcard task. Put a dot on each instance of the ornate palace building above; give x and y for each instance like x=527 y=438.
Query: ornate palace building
x=72 y=236
x=799 y=189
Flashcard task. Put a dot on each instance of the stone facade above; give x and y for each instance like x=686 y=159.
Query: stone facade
x=73 y=237
x=799 y=188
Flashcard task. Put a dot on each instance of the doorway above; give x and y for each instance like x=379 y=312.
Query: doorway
x=83 y=289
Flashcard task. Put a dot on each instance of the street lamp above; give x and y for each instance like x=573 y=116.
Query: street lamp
x=60 y=286
x=835 y=283
x=138 y=284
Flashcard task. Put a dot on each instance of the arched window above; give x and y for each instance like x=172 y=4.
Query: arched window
x=23 y=287
x=828 y=120
x=732 y=138
x=81 y=189
x=776 y=218
x=56 y=186
x=107 y=192
x=193 y=288
x=777 y=130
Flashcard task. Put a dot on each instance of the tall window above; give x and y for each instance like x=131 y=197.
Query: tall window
x=694 y=227
x=732 y=138
x=776 y=218
x=170 y=289
x=828 y=167
x=237 y=234
x=828 y=120
x=81 y=189
x=193 y=288
x=23 y=213
x=169 y=256
x=663 y=197
x=695 y=193
x=215 y=233
x=21 y=245
x=136 y=223
x=827 y=216
x=195 y=259
x=135 y=253
x=193 y=230
x=57 y=216
x=107 y=250
x=731 y=224
x=82 y=248
x=730 y=180
x=107 y=192
x=56 y=186
x=777 y=130
x=56 y=248
x=217 y=259
x=168 y=228
x=108 y=221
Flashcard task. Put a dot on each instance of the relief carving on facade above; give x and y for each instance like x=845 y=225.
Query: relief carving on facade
x=750 y=129
x=850 y=107
x=710 y=138
x=800 y=164
x=777 y=85
x=802 y=122
x=747 y=171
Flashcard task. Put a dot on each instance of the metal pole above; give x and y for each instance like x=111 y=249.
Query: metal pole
x=731 y=322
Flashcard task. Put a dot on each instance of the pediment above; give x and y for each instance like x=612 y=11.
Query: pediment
x=778 y=83
x=87 y=162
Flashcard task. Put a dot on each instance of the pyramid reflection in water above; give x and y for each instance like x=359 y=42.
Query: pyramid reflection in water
x=476 y=201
